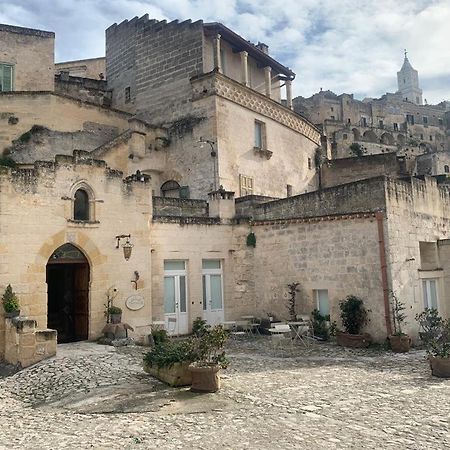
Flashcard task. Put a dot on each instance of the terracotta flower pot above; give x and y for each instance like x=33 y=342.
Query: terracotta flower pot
x=440 y=367
x=400 y=343
x=353 y=340
x=205 y=379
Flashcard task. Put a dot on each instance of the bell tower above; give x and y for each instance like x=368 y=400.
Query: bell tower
x=408 y=83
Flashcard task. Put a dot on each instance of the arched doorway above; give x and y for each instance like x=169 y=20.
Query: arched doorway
x=68 y=293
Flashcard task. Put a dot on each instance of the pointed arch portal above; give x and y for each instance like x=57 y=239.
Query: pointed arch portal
x=68 y=293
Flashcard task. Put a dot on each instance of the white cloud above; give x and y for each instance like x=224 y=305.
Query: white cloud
x=346 y=46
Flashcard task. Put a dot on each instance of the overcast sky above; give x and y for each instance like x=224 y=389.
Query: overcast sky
x=348 y=46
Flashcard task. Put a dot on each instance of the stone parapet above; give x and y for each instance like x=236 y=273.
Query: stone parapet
x=25 y=345
x=179 y=207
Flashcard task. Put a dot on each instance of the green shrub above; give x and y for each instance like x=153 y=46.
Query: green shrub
x=159 y=335
x=114 y=310
x=353 y=314
x=434 y=333
x=320 y=325
x=10 y=300
x=166 y=354
x=199 y=327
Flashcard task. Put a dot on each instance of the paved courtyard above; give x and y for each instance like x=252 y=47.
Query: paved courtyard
x=326 y=397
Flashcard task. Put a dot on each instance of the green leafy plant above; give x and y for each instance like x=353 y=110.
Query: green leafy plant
x=293 y=290
x=114 y=310
x=159 y=335
x=199 y=327
x=167 y=353
x=320 y=325
x=353 y=314
x=209 y=347
x=357 y=149
x=10 y=300
x=398 y=316
x=251 y=240
x=434 y=333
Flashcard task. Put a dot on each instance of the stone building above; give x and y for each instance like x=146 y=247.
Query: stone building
x=184 y=150
x=395 y=123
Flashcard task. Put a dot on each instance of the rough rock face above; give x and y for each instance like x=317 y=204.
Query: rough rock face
x=42 y=144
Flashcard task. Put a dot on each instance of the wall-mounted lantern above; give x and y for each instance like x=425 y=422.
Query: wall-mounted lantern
x=127 y=247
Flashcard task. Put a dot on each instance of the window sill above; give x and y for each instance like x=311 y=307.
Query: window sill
x=83 y=223
x=263 y=153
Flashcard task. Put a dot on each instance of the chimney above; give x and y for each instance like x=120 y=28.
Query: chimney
x=263 y=47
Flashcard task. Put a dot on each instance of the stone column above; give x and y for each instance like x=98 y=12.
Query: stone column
x=217 y=57
x=268 y=78
x=289 y=94
x=244 y=68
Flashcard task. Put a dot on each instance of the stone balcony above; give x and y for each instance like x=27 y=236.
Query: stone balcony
x=214 y=83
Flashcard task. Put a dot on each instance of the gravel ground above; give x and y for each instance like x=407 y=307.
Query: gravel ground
x=323 y=397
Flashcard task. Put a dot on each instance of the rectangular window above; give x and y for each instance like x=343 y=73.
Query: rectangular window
x=127 y=94
x=288 y=190
x=245 y=185
x=395 y=126
x=344 y=136
x=322 y=301
x=174 y=265
x=410 y=119
x=430 y=294
x=6 y=77
x=441 y=122
x=363 y=122
x=431 y=137
x=212 y=284
x=260 y=135
x=332 y=117
x=425 y=120
x=381 y=123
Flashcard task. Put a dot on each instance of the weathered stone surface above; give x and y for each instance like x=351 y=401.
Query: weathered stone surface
x=294 y=397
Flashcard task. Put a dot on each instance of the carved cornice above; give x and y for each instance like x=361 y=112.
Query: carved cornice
x=214 y=83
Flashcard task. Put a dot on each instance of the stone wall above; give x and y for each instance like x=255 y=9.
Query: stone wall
x=347 y=170
x=25 y=345
x=179 y=207
x=85 y=68
x=417 y=211
x=31 y=52
x=84 y=89
x=360 y=196
x=155 y=60
x=21 y=111
x=340 y=254
x=37 y=218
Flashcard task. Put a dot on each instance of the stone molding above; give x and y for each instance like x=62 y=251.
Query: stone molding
x=214 y=83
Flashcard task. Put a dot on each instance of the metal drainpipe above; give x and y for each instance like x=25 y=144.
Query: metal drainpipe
x=384 y=279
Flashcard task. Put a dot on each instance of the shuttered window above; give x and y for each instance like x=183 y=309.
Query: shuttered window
x=245 y=185
x=6 y=77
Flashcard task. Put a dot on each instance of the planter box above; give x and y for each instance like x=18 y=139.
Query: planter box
x=176 y=375
x=205 y=379
x=400 y=344
x=353 y=340
x=440 y=367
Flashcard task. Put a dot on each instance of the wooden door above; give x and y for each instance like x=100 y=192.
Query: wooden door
x=81 y=301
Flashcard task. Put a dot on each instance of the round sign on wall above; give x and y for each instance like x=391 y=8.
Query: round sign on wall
x=135 y=302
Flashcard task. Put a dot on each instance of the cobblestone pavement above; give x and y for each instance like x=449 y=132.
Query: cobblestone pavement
x=324 y=397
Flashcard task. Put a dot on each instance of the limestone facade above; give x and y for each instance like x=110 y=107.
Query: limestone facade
x=93 y=68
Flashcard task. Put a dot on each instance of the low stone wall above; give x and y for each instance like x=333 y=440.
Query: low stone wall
x=25 y=345
x=357 y=197
x=179 y=207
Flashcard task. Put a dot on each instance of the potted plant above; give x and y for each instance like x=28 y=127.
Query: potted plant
x=354 y=318
x=321 y=325
x=115 y=314
x=169 y=361
x=435 y=334
x=400 y=342
x=10 y=303
x=209 y=359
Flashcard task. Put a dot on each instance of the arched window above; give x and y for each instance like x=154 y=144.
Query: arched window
x=446 y=169
x=81 y=205
x=170 y=189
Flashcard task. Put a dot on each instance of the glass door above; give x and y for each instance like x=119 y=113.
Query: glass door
x=175 y=297
x=212 y=291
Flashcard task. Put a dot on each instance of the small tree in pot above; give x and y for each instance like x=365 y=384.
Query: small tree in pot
x=10 y=303
x=400 y=342
x=435 y=335
x=210 y=358
x=354 y=318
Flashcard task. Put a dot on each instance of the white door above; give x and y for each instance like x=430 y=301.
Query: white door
x=212 y=291
x=175 y=297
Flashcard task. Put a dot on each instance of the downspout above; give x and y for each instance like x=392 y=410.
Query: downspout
x=384 y=278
